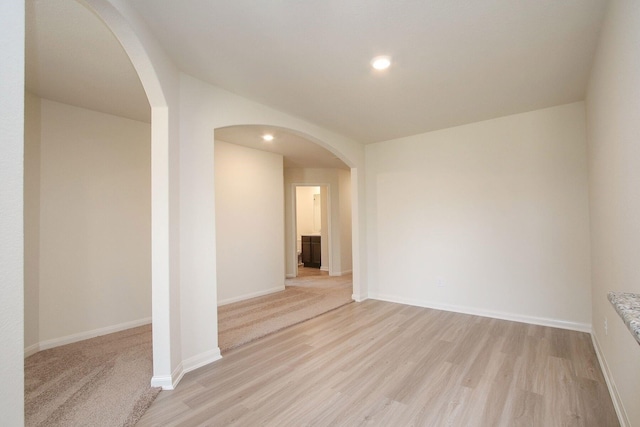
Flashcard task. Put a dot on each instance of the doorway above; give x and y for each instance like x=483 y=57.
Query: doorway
x=312 y=230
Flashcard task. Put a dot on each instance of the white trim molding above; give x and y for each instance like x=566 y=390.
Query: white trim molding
x=168 y=382
x=611 y=385
x=32 y=349
x=358 y=298
x=201 y=360
x=341 y=273
x=543 y=321
x=81 y=336
x=251 y=295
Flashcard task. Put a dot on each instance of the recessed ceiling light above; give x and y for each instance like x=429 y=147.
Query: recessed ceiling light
x=381 y=62
x=267 y=137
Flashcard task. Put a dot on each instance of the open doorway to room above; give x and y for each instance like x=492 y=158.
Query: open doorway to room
x=312 y=230
x=257 y=180
x=87 y=222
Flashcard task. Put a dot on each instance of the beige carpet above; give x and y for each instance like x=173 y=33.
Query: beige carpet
x=305 y=297
x=102 y=381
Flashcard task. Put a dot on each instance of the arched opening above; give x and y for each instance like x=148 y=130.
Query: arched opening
x=257 y=240
x=183 y=236
x=88 y=245
x=155 y=74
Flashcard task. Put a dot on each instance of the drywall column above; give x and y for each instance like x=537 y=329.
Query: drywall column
x=160 y=79
x=324 y=242
x=359 y=233
x=344 y=185
x=613 y=108
x=32 y=120
x=11 y=211
x=197 y=238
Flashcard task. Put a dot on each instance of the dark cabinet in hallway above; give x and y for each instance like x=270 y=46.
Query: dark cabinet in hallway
x=311 y=256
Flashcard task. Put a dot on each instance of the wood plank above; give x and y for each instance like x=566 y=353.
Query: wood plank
x=379 y=363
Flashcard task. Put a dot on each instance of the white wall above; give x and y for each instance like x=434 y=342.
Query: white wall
x=304 y=210
x=613 y=110
x=496 y=210
x=339 y=240
x=31 y=222
x=249 y=222
x=95 y=222
x=11 y=216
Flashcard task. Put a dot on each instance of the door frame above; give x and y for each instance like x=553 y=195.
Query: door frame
x=293 y=255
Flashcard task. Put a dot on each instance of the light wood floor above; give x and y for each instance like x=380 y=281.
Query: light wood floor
x=304 y=297
x=379 y=363
x=308 y=271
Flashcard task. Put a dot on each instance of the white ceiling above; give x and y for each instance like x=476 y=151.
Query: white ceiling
x=72 y=57
x=298 y=151
x=454 y=61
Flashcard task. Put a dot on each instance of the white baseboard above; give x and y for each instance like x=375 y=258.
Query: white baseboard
x=201 y=360
x=168 y=382
x=290 y=276
x=32 y=349
x=340 y=273
x=324 y=268
x=358 y=298
x=163 y=381
x=543 y=321
x=251 y=295
x=69 y=339
x=611 y=385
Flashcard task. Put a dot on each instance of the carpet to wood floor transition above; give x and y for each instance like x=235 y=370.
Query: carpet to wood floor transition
x=104 y=381
x=304 y=298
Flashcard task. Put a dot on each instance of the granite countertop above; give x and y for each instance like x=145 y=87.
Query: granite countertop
x=628 y=307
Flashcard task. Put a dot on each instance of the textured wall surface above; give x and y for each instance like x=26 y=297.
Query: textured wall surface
x=11 y=212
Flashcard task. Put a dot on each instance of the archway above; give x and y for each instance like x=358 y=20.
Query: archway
x=93 y=262
x=255 y=183
x=184 y=113
x=155 y=73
